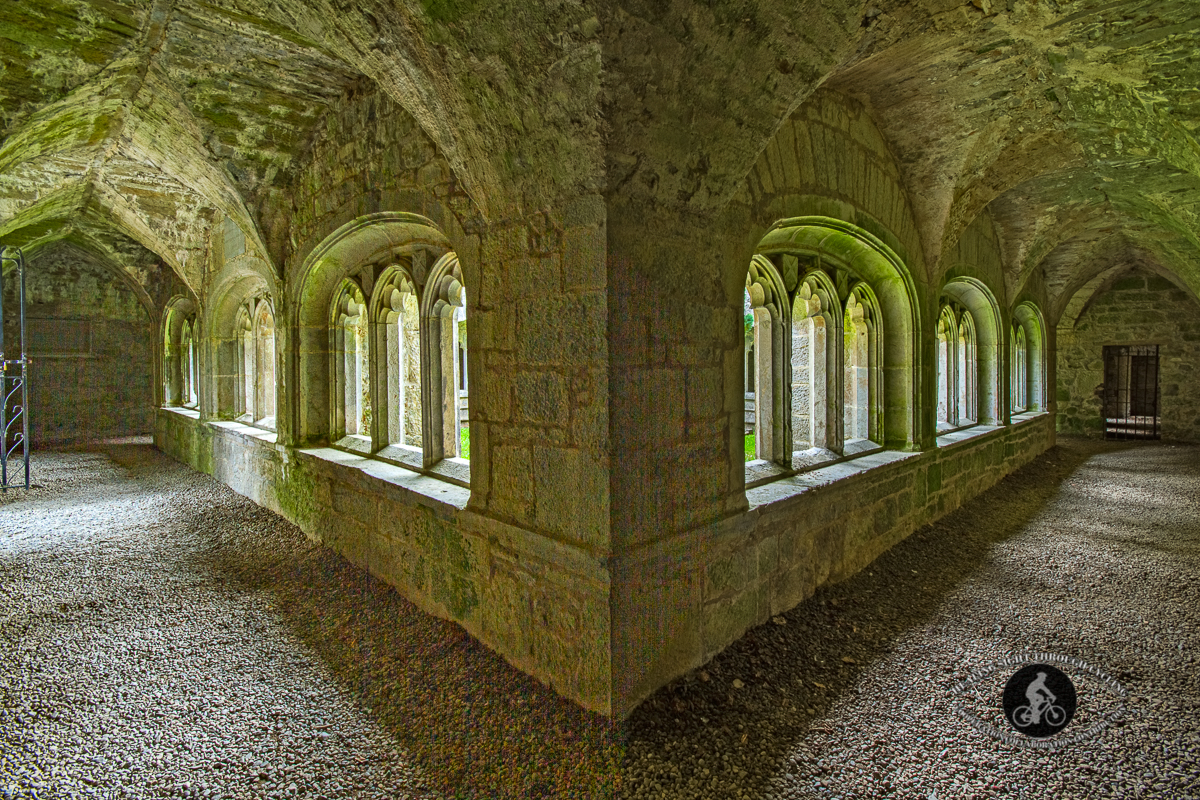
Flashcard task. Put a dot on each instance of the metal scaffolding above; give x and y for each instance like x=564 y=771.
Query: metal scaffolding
x=14 y=381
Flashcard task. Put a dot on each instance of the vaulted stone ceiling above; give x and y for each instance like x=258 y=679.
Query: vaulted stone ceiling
x=1073 y=123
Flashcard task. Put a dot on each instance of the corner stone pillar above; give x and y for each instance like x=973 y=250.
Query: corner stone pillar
x=677 y=406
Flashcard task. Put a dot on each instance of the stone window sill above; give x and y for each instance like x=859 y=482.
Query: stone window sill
x=761 y=473
x=246 y=430
x=183 y=411
x=451 y=470
x=266 y=423
x=964 y=434
x=790 y=486
x=435 y=489
x=944 y=428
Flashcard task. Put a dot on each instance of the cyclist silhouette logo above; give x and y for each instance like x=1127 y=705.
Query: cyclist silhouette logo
x=1039 y=700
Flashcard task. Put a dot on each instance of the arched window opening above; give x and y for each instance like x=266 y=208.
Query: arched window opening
x=246 y=355
x=443 y=308
x=862 y=356
x=254 y=344
x=398 y=326
x=381 y=357
x=813 y=351
x=264 y=366
x=351 y=370
x=460 y=371
x=968 y=371
x=1028 y=359
x=766 y=348
x=749 y=421
x=1020 y=388
x=190 y=365
x=848 y=293
x=979 y=351
x=180 y=354
x=947 y=364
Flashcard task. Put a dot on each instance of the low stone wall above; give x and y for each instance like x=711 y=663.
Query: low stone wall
x=540 y=603
x=603 y=631
x=681 y=601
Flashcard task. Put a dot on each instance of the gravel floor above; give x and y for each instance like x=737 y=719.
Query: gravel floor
x=161 y=636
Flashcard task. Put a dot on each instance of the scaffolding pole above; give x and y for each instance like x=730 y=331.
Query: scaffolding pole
x=14 y=382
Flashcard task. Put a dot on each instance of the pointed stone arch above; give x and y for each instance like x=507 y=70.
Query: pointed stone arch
x=772 y=369
x=362 y=248
x=869 y=259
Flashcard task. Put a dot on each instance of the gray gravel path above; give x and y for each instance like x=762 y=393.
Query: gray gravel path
x=161 y=636
x=1093 y=551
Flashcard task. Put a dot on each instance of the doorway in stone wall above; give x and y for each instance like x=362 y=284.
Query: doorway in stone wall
x=1131 y=392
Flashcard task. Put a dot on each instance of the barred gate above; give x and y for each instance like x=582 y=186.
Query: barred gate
x=1131 y=392
x=14 y=383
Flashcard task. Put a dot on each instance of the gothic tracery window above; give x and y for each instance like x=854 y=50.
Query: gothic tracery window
x=1019 y=367
x=351 y=372
x=255 y=332
x=189 y=365
x=957 y=368
x=397 y=322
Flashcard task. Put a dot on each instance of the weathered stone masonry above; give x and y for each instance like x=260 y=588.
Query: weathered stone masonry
x=604 y=605
x=1137 y=307
x=590 y=184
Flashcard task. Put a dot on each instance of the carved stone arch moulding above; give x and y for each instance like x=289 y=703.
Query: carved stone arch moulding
x=770 y=306
x=443 y=288
x=360 y=251
x=390 y=288
x=180 y=312
x=1029 y=322
x=868 y=259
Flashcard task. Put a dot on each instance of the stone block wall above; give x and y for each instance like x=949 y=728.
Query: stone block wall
x=681 y=601
x=605 y=632
x=90 y=345
x=536 y=297
x=369 y=155
x=830 y=159
x=541 y=603
x=1138 y=308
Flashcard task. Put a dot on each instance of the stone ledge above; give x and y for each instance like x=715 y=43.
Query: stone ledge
x=246 y=431
x=784 y=489
x=965 y=434
x=181 y=411
x=429 y=491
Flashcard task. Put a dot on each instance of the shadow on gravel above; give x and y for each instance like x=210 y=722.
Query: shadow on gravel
x=795 y=671
x=477 y=727
x=481 y=729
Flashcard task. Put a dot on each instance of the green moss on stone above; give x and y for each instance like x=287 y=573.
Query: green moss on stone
x=455 y=592
x=448 y=11
x=295 y=493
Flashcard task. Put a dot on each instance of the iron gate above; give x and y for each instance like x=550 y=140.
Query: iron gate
x=14 y=382
x=1131 y=392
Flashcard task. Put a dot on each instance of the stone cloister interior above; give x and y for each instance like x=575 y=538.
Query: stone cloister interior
x=755 y=289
